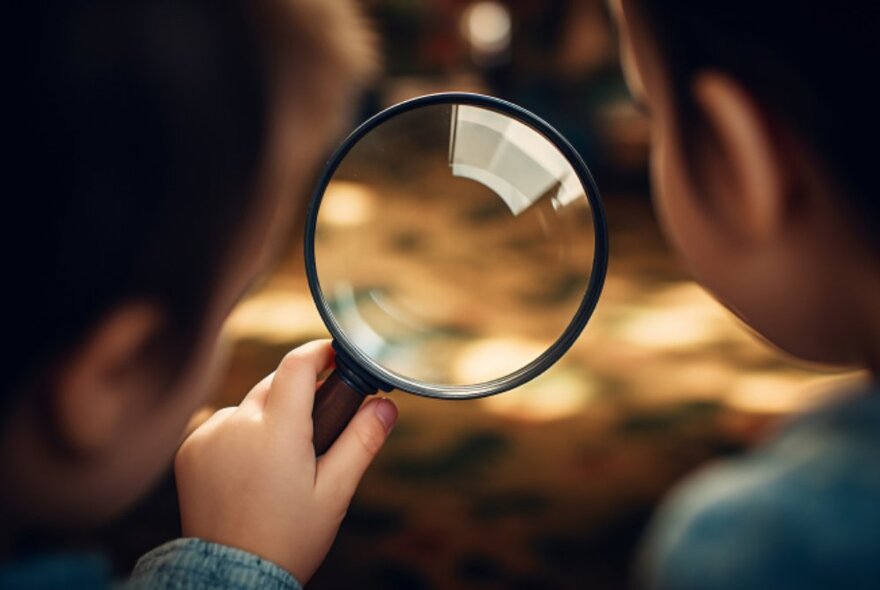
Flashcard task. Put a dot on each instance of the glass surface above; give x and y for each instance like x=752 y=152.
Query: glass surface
x=454 y=244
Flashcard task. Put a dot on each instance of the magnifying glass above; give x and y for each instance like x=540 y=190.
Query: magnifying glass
x=455 y=247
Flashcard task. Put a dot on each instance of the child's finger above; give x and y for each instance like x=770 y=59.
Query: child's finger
x=342 y=466
x=292 y=392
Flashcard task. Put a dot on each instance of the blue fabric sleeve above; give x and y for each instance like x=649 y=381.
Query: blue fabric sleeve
x=710 y=535
x=194 y=564
x=800 y=513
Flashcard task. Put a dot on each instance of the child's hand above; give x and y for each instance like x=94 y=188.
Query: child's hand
x=248 y=477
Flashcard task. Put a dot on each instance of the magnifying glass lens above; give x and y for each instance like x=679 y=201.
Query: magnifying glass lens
x=453 y=245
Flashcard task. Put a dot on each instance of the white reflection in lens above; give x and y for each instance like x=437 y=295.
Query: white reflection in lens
x=353 y=324
x=510 y=158
x=396 y=313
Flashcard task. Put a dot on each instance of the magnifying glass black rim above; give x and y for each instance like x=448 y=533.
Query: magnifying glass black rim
x=388 y=379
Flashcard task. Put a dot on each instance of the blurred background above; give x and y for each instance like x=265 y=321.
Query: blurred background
x=550 y=485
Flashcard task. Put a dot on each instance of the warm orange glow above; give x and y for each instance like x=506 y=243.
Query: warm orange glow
x=555 y=395
x=488 y=359
x=487 y=27
x=784 y=393
x=347 y=204
x=276 y=316
x=678 y=317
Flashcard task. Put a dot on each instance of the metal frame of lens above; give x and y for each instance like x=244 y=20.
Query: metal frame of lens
x=386 y=379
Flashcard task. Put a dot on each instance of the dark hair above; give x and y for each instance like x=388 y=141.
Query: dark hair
x=811 y=64
x=135 y=130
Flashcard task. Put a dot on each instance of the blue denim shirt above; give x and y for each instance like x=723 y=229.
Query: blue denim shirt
x=800 y=512
x=183 y=564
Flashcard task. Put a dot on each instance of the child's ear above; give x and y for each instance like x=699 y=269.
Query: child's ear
x=743 y=172
x=108 y=381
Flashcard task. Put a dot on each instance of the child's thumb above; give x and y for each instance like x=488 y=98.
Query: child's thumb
x=343 y=465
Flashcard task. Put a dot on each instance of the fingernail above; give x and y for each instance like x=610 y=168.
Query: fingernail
x=386 y=412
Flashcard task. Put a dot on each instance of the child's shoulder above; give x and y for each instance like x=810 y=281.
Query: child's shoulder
x=803 y=511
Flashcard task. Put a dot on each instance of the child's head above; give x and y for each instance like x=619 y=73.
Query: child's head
x=761 y=114
x=160 y=149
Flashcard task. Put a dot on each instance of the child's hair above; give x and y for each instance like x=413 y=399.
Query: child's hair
x=137 y=130
x=810 y=63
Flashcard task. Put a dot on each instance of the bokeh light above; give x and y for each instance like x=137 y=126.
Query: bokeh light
x=348 y=204
x=487 y=27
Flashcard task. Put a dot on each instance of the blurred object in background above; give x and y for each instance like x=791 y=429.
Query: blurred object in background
x=486 y=27
x=556 y=58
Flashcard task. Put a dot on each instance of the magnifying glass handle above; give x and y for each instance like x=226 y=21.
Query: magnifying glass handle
x=336 y=402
